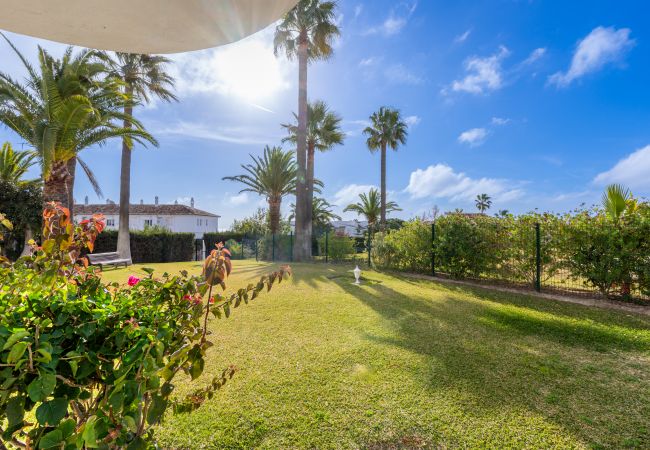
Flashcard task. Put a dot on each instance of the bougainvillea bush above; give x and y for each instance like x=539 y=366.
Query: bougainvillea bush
x=88 y=365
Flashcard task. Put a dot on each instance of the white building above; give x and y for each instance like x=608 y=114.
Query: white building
x=176 y=218
x=353 y=228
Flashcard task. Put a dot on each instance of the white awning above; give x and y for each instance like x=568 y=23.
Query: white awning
x=141 y=26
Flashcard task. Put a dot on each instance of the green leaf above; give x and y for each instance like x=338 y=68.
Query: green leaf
x=50 y=413
x=196 y=369
x=89 y=434
x=41 y=387
x=156 y=410
x=51 y=439
x=67 y=427
x=17 y=352
x=137 y=444
x=15 y=411
x=18 y=335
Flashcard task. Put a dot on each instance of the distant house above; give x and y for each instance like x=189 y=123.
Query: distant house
x=176 y=218
x=351 y=228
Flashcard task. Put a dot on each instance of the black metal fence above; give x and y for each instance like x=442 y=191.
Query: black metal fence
x=327 y=247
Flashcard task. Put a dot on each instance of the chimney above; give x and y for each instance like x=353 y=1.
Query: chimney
x=192 y=202
x=141 y=202
x=86 y=200
x=156 y=200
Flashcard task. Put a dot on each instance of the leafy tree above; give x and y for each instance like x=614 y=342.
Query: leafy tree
x=255 y=225
x=306 y=33
x=323 y=133
x=369 y=206
x=321 y=212
x=483 y=203
x=272 y=175
x=22 y=204
x=144 y=78
x=387 y=130
x=65 y=106
x=15 y=164
x=616 y=201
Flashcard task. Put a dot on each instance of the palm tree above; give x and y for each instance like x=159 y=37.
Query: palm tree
x=323 y=133
x=272 y=175
x=306 y=32
x=65 y=107
x=14 y=165
x=370 y=206
x=387 y=130
x=483 y=203
x=321 y=211
x=616 y=200
x=143 y=77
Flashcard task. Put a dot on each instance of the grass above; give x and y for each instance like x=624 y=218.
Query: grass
x=400 y=363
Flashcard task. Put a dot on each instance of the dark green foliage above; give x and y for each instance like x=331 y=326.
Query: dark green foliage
x=22 y=205
x=339 y=248
x=152 y=246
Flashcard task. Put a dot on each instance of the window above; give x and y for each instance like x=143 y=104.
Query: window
x=110 y=222
x=148 y=222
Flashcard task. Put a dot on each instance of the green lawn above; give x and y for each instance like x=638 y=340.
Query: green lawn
x=399 y=363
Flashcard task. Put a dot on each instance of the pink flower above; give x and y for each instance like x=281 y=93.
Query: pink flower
x=187 y=297
x=133 y=280
x=212 y=300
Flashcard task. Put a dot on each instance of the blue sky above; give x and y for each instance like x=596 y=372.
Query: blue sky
x=537 y=103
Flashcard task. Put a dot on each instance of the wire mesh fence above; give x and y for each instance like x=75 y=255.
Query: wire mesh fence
x=584 y=255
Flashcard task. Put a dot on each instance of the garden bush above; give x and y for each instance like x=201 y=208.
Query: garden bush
x=407 y=248
x=88 y=365
x=338 y=248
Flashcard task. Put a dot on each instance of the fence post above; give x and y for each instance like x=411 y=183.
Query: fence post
x=369 y=246
x=327 y=244
x=538 y=258
x=242 y=248
x=291 y=246
x=256 y=254
x=273 y=247
x=433 y=249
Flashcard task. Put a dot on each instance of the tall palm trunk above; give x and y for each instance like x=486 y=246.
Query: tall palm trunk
x=383 y=186
x=123 y=236
x=71 y=166
x=56 y=188
x=274 y=213
x=302 y=249
x=309 y=212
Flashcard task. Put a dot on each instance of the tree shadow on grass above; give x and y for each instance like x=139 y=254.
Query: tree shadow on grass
x=502 y=353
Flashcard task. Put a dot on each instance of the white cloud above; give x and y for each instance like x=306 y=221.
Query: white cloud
x=441 y=181
x=370 y=61
x=462 y=37
x=234 y=135
x=484 y=74
x=600 y=47
x=247 y=69
x=632 y=171
x=500 y=121
x=534 y=56
x=396 y=20
x=355 y=127
x=358 y=10
x=473 y=137
x=412 y=121
x=350 y=194
x=397 y=73
x=238 y=200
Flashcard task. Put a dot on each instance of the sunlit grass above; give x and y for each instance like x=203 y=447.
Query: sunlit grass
x=400 y=363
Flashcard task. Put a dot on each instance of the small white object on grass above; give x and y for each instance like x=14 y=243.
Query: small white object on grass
x=357 y=274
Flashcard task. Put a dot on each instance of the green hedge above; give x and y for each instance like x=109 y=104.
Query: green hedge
x=581 y=252
x=151 y=247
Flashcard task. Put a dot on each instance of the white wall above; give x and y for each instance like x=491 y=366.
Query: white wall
x=177 y=224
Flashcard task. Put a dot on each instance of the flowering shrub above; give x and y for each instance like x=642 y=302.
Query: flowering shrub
x=88 y=365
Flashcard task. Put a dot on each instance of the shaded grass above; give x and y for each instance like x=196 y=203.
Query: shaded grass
x=400 y=363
